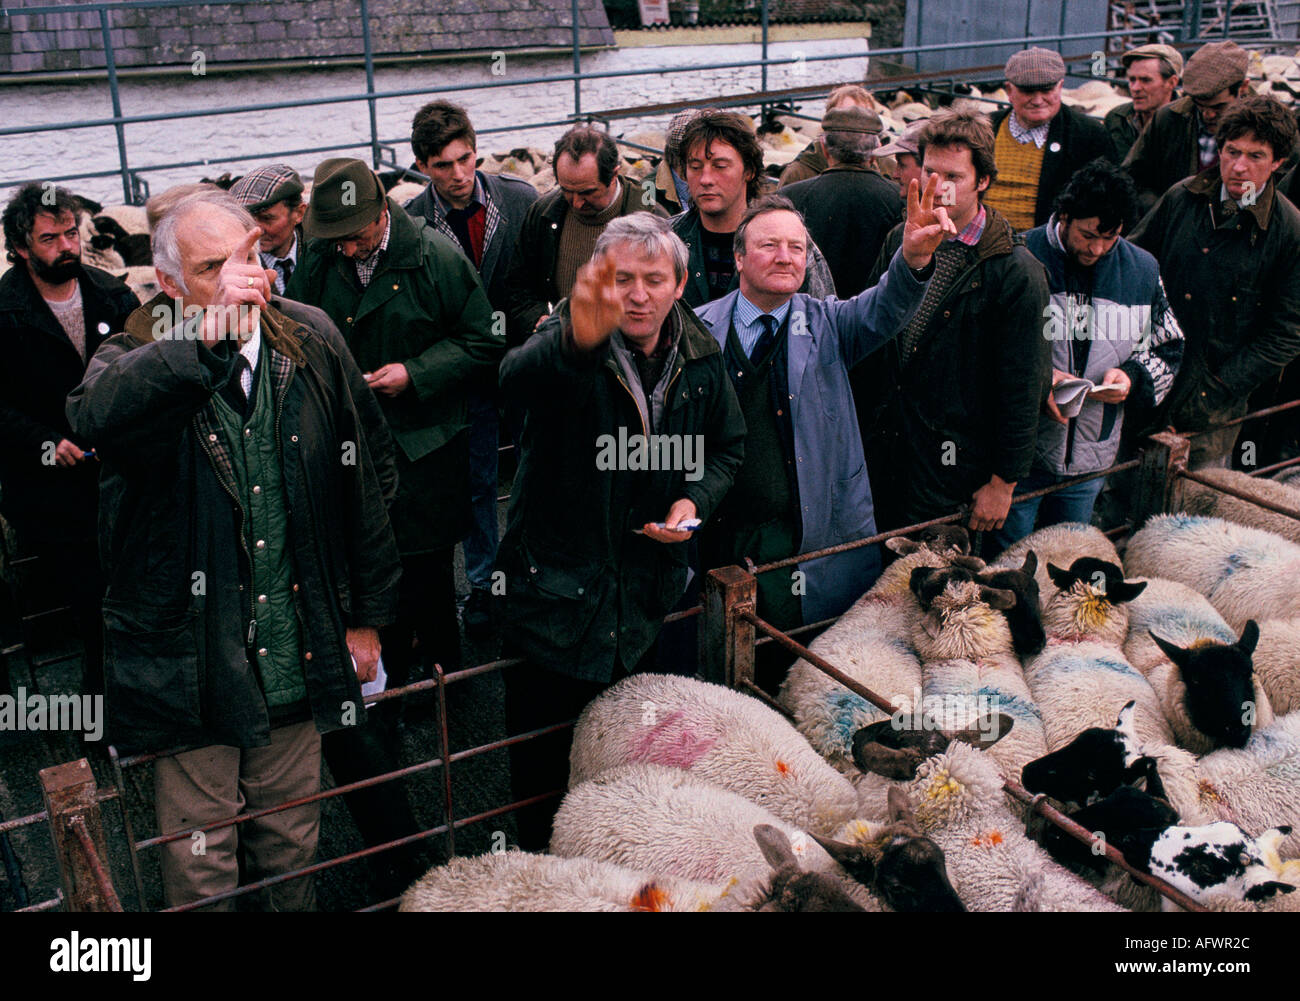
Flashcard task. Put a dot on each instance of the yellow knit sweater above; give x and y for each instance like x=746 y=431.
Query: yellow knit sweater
x=1015 y=192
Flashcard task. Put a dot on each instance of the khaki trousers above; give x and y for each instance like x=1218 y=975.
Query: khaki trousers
x=208 y=784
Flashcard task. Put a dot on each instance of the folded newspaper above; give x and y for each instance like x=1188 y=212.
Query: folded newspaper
x=1069 y=394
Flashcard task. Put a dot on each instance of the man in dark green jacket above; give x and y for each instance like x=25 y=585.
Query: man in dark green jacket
x=248 y=567
x=1229 y=252
x=413 y=311
x=632 y=427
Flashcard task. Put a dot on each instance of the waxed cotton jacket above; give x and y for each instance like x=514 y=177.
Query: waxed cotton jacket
x=1166 y=151
x=178 y=608
x=1235 y=288
x=425 y=307
x=977 y=379
x=582 y=591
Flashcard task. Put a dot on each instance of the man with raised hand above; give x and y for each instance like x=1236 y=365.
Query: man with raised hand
x=803 y=485
x=631 y=429
x=247 y=547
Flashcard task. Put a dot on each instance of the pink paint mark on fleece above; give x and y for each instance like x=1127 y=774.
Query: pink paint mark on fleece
x=673 y=741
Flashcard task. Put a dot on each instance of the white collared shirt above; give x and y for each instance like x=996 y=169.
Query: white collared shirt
x=1022 y=135
x=250 y=349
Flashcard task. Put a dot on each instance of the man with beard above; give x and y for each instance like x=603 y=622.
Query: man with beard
x=54 y=313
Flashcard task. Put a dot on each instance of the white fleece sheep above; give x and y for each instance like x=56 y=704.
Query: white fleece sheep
x=958 y=801
x=1277 y=663
x=1255 y=787
x=1246 y=573
x=1058 y=544
x=521 y=881
x=1176 y=613
x=665 y=820
x=871 y=643
x=1205 y=500
x=721 y=736
x=969 y=669
x=1082 y=685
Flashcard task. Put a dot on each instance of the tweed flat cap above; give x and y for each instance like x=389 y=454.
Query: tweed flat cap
x=1035 y=68
x=263 y=187
x=1215 y=67
x=1165 y=53
x=677 y=129
x=346 y=196
x=852 y=120
x=906 y=143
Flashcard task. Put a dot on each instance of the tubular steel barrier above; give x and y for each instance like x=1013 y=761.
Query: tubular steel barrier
x=136 y=189
x=728 y=637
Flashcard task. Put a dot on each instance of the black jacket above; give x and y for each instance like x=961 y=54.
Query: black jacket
x=40 y=368
x=531 y=280
x=1073 y=139
x=1235 y=288
x=178 y=606
x=977 y=379
x=582 y=590
x=849 y=211
x=1166 y=151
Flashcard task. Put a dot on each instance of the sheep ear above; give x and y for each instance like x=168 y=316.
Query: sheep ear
x=996 y=597
x=774 y=845
x=932 y=624
x=971 y=563
x=1249 y=637
x=873 y=732
x=902 y=546
x=853 y=858
x=1063 y=579
x=918 y=578
x=1180 y=657
x=1124 y=591
x=987 y=731
x=1030 y=566
x=873 y=758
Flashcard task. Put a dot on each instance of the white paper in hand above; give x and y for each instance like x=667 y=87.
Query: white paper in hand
x=370 y=688
x=1069 y=395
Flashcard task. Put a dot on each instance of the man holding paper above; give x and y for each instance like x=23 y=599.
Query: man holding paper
x=1115 y=343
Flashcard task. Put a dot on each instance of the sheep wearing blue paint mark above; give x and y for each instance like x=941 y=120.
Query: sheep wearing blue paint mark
x=1277 y=663
x=1210 y=502
x=969 y=668
x=719 y=735
x=1246 y=573
x=1200 y=670
x=871 y=643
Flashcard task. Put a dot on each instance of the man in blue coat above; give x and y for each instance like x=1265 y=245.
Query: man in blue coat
x=803 y=484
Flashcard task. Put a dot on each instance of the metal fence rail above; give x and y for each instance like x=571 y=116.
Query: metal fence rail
x=135 y=187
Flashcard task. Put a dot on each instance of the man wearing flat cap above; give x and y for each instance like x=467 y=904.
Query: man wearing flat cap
x=1152 y=73
x=849 y=207
x=1180 y=140
x=414 y=314
x=1039 y=142
x=273 y=195
x=906 y=151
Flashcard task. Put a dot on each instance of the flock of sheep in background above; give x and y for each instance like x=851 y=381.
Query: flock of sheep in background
x=1155 y=698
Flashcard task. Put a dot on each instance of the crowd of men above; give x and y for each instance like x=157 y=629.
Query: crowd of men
x=249 y=488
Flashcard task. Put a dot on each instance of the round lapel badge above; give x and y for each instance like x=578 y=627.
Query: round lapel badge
x=1055 y=147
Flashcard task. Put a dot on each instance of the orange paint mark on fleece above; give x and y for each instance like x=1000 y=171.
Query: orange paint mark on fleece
x=782 y=767
x=650 y=897
x=988 y=840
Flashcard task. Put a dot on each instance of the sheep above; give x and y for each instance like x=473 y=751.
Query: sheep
x=1200 y=671
x=1025 y=617
x=1216 y=859
x=521 y=881
x=968 y=664
x=1206 y=500
x=1246 y=573
x=956 y=799
x=871 y=644
x=666 y=820
x=1060 y=544
x=1277 y=663
x=1256 y=787
x=404 y=191
x=721 y=736
x=1089 y=602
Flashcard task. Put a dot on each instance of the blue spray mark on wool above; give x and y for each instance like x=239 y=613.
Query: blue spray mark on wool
x=846 y=711
x=1012 y=705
